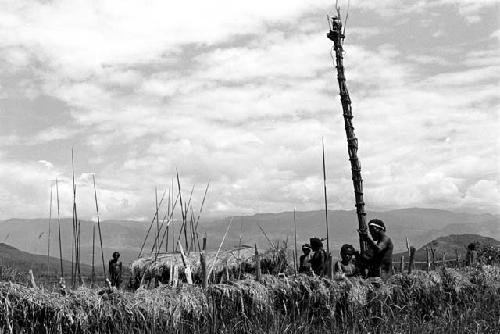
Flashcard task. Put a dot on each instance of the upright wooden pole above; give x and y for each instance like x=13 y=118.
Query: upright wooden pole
x=295 y=257
x=335 y=34
x=76 y=229
x=326 y=202
x=99 y=228
x=157 y=241
x=92 y=277
x=258 y=274
x=187 y=268
x=402 y=264
x=444 y=260
x=427 y=260
x=48 y=237
x=59 y=227
x=169 y=219
x=412 y=259
x=204 y=277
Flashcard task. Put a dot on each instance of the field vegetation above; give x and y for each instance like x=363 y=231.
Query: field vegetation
x=447 y=300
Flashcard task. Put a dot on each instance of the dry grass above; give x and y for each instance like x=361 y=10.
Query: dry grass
x=445 y=301
x=238 y=262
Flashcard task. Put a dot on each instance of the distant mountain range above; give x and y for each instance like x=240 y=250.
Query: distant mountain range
x=418 y=225
x=24 y=261
x=449 y=245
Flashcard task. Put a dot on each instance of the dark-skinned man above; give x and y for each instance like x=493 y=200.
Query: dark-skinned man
x=379 y=259
x=319 y=258
x=115 y=270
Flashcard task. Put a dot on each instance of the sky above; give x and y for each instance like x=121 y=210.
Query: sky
x=240 y=94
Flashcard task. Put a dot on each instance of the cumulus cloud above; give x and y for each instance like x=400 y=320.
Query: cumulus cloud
x=241 y=95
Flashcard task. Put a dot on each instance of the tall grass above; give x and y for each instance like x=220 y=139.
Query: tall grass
x=447 y=301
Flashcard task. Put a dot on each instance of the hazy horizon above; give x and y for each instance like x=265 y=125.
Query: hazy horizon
x=218 y=217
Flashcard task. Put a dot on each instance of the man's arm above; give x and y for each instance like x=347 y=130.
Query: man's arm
x=377 y=248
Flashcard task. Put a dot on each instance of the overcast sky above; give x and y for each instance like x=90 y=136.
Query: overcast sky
x=240 y=93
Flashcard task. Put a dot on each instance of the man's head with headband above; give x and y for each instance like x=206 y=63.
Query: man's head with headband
x=377 y=228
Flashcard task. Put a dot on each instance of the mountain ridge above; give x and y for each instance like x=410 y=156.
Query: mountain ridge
x=126 y=236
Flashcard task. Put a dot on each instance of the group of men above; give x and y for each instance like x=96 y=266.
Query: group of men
x=376 y=261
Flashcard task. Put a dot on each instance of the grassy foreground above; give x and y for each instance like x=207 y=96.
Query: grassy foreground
x=445 y=301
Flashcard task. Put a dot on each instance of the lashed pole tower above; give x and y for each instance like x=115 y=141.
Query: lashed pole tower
x=337 y=37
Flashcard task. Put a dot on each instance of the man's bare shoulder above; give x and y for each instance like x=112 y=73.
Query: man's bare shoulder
x=386 y=241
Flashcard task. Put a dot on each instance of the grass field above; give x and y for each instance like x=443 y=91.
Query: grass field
x=443 y=301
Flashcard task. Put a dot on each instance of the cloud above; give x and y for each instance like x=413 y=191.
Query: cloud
x=47 y=164
x=242 y=97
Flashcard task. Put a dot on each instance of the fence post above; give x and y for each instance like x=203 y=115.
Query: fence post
x=444 y=259
x=457 y=256
x=433 y=253
x=402 y=264
x=428 y=260
x=32 y=279
x=226 y=271
x=204 y=277
x=175 y=275
x=412 y=259
x=257 y=265
x=187 y=269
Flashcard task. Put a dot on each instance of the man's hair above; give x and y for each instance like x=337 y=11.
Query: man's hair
x=377 y=223
x=116 y=255
x=347 y=249
x=316 y=243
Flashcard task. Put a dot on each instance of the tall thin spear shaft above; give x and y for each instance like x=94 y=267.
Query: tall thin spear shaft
x=337 y=37
x=157 y=223
x=59 y=227
x=168 y=227
x=326 y=201
x=169 y=219
x=74 y=261
x=48 y=238
x=150 y=227
x=92 y=279
x=199 y=214
x=183 y=212
x=295 y=240
x=99 y=227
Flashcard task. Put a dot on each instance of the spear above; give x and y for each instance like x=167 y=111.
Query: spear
x=295 y=223
x=150 y=226
x=99 y=226
x=157 y=222
x=48 y=239
x=326 y=200
x=92 y=279
x=59 y=226
x=76 y=227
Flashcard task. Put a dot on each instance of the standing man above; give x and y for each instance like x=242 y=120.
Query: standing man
x=380 y=259
x=115 y=270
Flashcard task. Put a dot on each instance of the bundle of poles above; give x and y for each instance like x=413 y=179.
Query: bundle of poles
x=188 y=231
x=76 y=275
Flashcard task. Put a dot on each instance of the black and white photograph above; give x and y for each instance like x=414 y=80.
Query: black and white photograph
x=279 y=167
